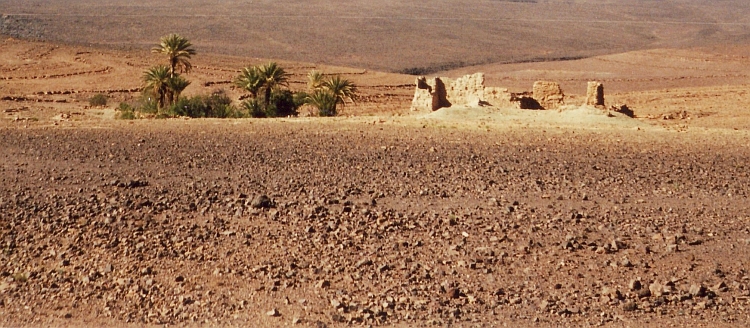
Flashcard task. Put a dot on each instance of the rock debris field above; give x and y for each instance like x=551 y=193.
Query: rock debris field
x=328 y=224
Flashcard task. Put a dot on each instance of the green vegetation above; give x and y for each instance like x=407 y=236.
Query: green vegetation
x=125 y=112
x=267 y=86
x=327 y=94
x=216 y=105
x=178 y=50
x=98 y=100
x=269 y=94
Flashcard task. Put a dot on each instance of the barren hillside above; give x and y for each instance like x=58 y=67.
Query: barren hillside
x=414 y=36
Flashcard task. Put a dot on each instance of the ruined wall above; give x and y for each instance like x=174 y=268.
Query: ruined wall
x=466 y=90
x=424 y=95
x=548 y=94
x=595 y=94
x=435 y=93
x=500 y=97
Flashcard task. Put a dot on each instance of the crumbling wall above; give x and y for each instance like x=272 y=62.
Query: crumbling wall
x=435 y=93
x=426 y=96
x=467 y=90
x=595 y=94
x=548 y=94
x=499 y=97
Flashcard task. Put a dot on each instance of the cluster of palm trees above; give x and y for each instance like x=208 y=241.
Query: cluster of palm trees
x=326 y=93
x=267 y=84
x=163 y=80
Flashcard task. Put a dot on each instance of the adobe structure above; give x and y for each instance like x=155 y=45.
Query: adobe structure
x=432 y=94
x=438 y=92
x=595 y=94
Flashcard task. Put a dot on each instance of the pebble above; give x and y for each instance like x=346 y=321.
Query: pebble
x=634 y=285
x=273 y=313
x=261 y=201
x=697 y=290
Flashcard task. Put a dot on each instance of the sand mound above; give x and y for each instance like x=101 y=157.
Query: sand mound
x=585 y=117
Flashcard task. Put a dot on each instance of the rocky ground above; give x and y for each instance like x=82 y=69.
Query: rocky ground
x=327 y=224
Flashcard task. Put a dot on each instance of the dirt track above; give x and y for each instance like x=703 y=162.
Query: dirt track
x=378 y=224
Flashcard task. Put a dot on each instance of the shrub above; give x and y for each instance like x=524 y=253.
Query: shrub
x=98 y=100
x=217 y=105
x=254 y=108
x=147 y=103
x=325 y=101
x=125 y=115
x=283 y=104
x=125 y=112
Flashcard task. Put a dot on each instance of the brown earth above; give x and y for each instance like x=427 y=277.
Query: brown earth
x=461 y=217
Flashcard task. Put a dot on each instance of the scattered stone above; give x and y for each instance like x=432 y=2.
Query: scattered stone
x=630 y=306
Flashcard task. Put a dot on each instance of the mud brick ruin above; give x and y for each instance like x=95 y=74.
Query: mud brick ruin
x=434 y=93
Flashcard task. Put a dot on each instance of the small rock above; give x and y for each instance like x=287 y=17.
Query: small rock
x=261 y=201
x=453 y=293
x=273 y=313
x=629 y=306
x=296 y=320
x=657 y=289
x=612 y=293
x=323 y=284
x=720 y=287
x=363 y=262
x=697 y=290
x=635 y=284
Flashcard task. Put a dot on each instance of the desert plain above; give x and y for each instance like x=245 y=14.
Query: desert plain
x=465 y=216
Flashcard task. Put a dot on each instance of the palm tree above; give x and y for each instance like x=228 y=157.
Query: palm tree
x=249 y=80
x=178 y=49
x=176 y=85
x=272 y=76
x=324 y=100
x=342 y=89
x=156 y=80
x=314 y=80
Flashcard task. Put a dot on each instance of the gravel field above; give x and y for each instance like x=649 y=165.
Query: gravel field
x=334 y=223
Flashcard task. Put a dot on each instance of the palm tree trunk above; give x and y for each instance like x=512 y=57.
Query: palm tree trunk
x=268 y=98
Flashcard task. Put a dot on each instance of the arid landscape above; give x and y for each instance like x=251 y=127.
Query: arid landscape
x=467 y=216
